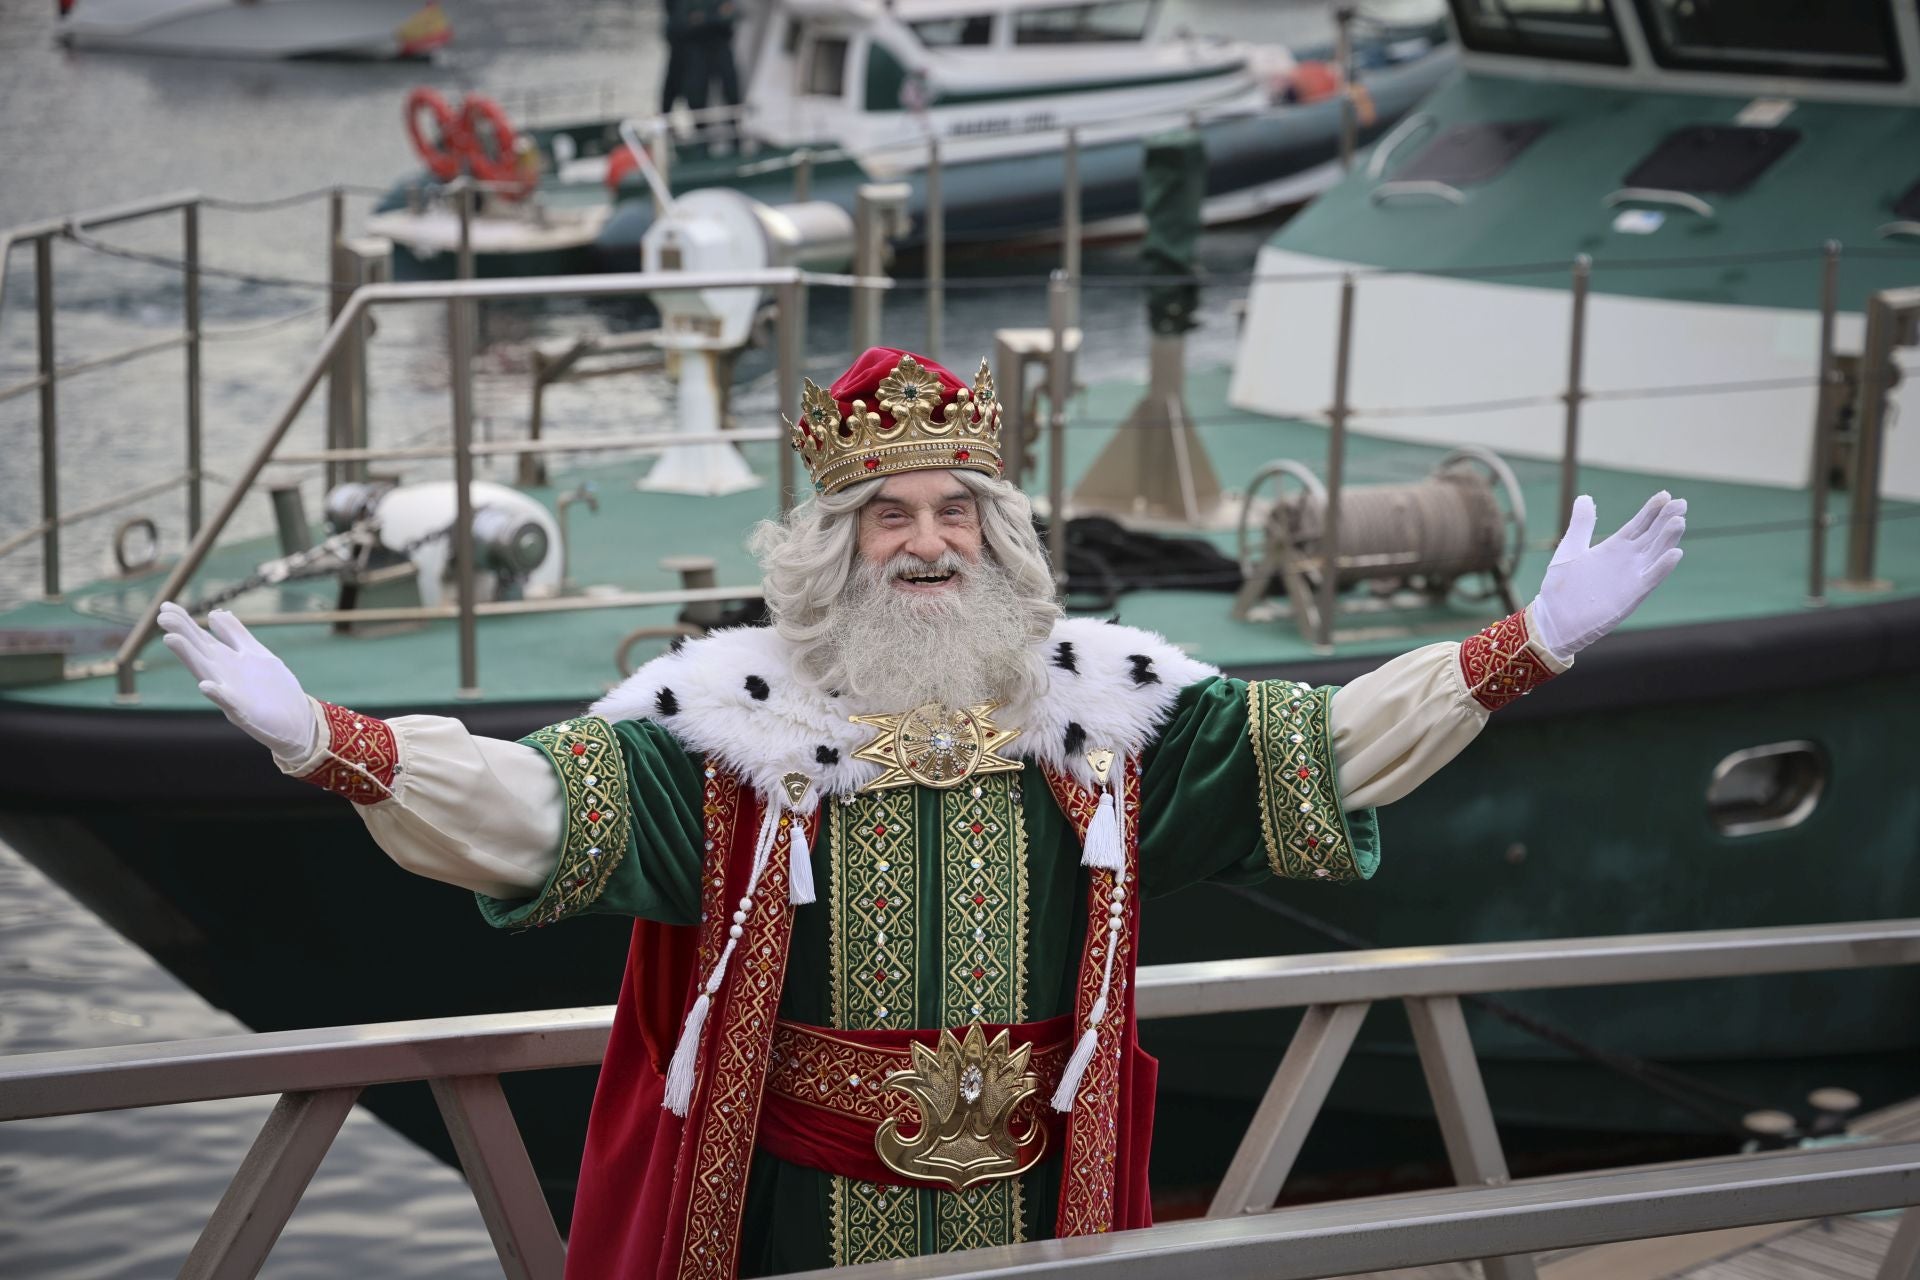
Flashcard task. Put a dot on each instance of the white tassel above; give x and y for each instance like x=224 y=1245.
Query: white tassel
x=1076 y=1067
x=799 y=865
x=1102 y=847
x=679 y=1095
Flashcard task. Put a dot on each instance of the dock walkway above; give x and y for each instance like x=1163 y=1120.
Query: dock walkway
x=1849 y=1248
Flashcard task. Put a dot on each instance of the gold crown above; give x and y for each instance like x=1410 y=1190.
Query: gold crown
x=927 y=433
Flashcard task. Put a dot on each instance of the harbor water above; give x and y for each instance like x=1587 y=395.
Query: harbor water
x=124 y=1194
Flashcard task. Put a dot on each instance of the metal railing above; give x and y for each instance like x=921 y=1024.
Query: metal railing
x=788 y=286
x=319 y=1074
x=50 y=372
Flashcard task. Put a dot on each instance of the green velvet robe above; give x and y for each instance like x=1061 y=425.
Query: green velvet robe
x=937 y=908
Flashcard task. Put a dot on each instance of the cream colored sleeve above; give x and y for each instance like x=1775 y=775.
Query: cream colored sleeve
x=1394 y=727
x=471 y=811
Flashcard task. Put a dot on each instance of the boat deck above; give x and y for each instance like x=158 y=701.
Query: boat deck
x=1851 y=1248
x=1746 y=558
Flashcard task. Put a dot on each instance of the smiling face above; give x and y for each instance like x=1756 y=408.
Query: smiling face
x=925 y=527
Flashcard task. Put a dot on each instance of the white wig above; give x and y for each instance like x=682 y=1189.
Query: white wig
x=809 y=556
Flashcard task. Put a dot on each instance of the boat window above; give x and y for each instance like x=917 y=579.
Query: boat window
x=1766 y=788
x=953 y=33
x=1471 y=153
x=1581 y=30
x=1083 y=23
x=1826 y=39
x=827 y=67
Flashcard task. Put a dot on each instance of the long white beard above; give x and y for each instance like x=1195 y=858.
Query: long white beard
x=895 y=650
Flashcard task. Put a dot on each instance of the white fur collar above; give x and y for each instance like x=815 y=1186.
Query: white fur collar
x=733 y=695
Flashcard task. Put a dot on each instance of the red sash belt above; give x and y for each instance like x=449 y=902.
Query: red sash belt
x=826 y=1094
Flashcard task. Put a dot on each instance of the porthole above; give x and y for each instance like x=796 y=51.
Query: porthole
x=1768 y=788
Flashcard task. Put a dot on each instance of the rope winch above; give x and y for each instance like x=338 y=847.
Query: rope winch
x=1423 y=537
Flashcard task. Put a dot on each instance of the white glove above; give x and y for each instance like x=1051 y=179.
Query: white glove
x=1589 y=590
x=246 y=681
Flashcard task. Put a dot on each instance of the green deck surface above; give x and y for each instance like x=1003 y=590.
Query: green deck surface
x=1838 y=182
x=1746 y=558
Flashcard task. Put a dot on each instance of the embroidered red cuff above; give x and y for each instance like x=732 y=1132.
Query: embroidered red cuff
x=1498 y=665
x=362 y=756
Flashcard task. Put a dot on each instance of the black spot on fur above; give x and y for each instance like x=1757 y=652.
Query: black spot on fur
x=665 y=703
x=678 y=641
x=758 y=688
x=826 y=755
x=1076 y=738
x=1063 y=657
x=1143 y=672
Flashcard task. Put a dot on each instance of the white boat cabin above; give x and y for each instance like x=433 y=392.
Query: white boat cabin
x=988 y=76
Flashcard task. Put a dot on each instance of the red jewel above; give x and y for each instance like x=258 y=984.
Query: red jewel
x=978 y=973
x=979 y=900
x=1313 y=842
x=579 y=748
x=879 y=975
x=880 y=830
x=977 y=828
x=871 y=463
x=879 y=904
x=593 y=815
x=1305 y=772
x=961 y=455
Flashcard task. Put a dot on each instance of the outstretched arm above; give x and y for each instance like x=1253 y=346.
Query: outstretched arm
x=1394 y=727
x=1296 y=771
x=443 y=803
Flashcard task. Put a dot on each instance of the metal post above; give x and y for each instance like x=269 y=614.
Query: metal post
x=1863 y=512
x=803 y=175
x=1343 y=64
x=49 y=419
x=789 y=327
x=338 y=435
x=195 y=482
x=460 y=375
x=1460 y=1104
x=936 y=256
x=463 y=197
x=1575 y=393
x=1336 y=468
x=1059 y=303
x=1292 y=1103
x=1825 y=408
x=1070 y=221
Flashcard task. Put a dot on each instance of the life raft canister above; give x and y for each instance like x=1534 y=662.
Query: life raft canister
x=445 y=149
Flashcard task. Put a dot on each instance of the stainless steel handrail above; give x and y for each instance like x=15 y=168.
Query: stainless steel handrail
x=363 y=300
x=1417 y=187
x=320 y=1072
x=1893 y=230
x=1658 y=195
x=1412 y=123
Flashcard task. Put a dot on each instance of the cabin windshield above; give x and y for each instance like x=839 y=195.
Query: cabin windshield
x=1582 y=30
x=1828 y=39
x=972 y=29
x=1112 y=20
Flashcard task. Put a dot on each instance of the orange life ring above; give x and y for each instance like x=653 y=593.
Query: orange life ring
x=481 y=119
x=619 y=165
x=445 y=150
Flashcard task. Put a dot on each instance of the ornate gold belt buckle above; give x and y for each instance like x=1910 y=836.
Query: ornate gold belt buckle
x=936 y=746
x=968 y=1091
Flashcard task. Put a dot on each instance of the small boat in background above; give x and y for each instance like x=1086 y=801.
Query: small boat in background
x=257 y=28
x=843 y=92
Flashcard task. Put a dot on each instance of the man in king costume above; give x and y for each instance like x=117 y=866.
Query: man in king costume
x=886 y=856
